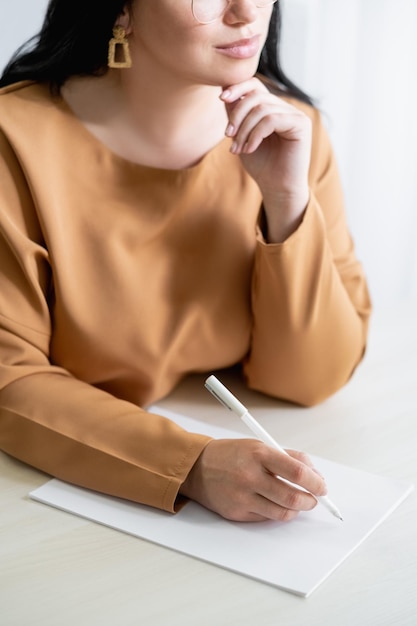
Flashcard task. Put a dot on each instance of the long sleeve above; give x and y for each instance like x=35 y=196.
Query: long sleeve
x=310 y=300
x=87 y=437
x=48 y=417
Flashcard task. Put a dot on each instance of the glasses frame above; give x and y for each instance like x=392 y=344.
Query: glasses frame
x=259 y=6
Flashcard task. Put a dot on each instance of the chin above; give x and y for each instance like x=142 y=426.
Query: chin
x=238 y=74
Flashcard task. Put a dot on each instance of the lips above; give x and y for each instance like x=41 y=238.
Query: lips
x=241 y=49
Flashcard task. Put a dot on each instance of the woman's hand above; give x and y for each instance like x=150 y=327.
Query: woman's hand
x=237 y=478
x=273 y=139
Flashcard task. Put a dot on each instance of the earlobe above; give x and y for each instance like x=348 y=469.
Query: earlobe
x=124 y=20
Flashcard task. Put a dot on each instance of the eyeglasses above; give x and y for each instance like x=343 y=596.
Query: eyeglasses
x=207 y=11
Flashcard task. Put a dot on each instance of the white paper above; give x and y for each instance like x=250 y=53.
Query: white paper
x=295 y=556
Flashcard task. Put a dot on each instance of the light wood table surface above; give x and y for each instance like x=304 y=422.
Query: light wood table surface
x=59 y=570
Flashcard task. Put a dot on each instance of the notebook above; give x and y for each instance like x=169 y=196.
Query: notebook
x=296 y=556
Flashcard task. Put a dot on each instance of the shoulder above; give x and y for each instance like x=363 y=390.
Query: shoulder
x=31 y=118
x=23 y=91
x=22 y=102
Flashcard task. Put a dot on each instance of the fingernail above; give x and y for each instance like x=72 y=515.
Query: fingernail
x=234 y=147
x=225 y=94
x=230 y=130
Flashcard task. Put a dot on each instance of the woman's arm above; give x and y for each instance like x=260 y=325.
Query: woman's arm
x=49 y=418
x=310 y=300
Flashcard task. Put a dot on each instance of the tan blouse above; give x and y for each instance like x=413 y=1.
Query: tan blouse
x=116 y=280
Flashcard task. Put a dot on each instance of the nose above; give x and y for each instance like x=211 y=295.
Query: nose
x=240 y=12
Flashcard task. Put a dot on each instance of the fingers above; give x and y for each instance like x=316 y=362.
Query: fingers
x=253 y=121
x=238 y=479
x=289 y=499
x=234 y=92
x=262 y=121
x=304 y=458
x=279 y=501
x=266 y=510
x=297 y=468
x=254 y=114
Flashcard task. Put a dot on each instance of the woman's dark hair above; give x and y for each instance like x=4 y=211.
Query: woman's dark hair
x=270 y=62
x=73 y=41
x=74 y=37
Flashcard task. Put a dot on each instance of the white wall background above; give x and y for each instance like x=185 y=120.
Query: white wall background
x=358 y=58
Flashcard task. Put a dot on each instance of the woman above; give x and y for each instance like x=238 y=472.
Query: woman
x=160 y=217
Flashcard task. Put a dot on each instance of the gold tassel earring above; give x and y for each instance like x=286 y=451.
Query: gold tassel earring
x=119 y=53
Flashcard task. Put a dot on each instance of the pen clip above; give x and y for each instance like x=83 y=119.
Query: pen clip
x=211 y=390
x=223 y=395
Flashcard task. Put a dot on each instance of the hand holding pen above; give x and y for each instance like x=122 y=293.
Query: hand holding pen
x=237 y=478
x=225 y=397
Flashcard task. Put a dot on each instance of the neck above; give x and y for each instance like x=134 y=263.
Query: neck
x=149 y=121
x=167 y=112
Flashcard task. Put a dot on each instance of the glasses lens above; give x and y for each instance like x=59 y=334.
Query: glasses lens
x=206 y=11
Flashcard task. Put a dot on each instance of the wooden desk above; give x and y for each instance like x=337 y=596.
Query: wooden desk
x=58 y=570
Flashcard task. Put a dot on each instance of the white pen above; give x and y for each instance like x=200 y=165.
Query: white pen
x=225 y=397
